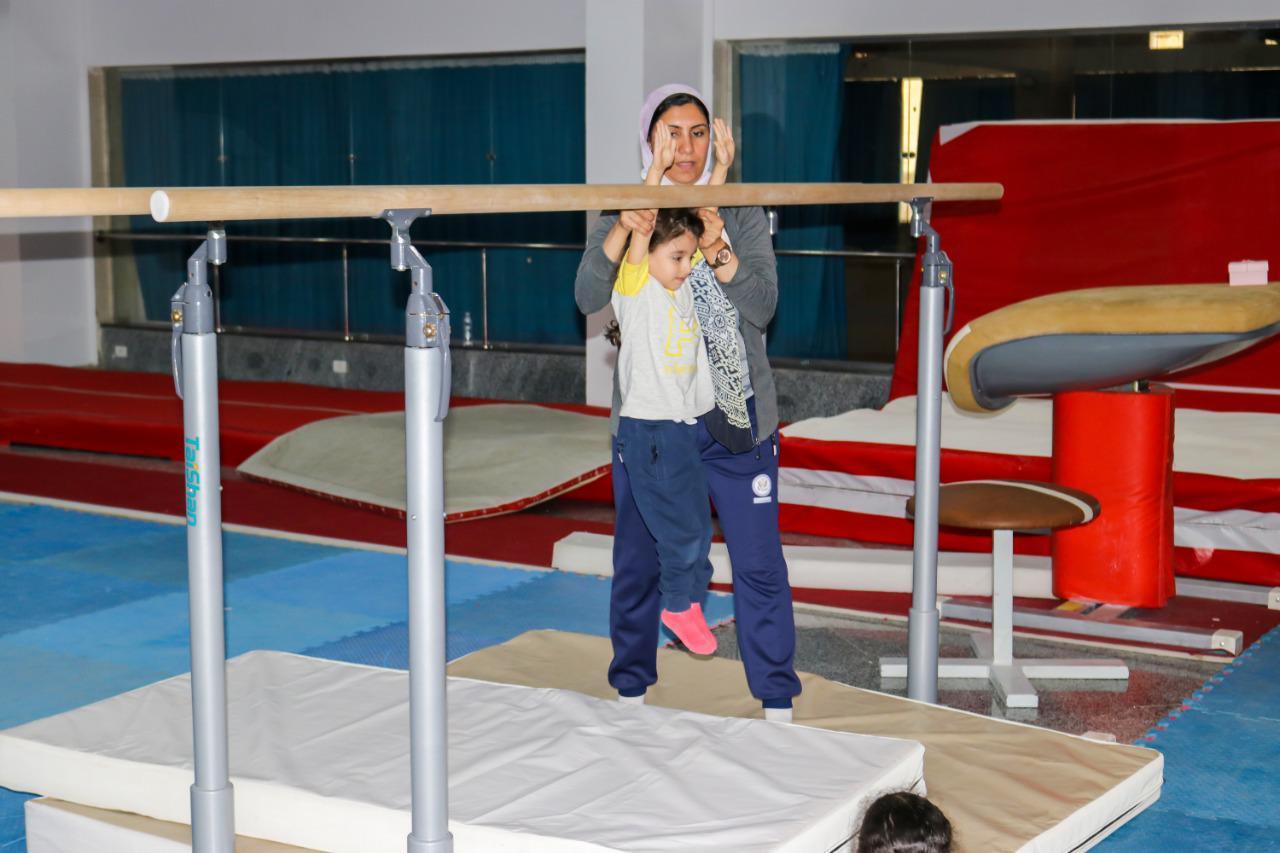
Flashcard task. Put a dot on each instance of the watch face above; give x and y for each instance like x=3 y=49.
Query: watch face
x=722 y=257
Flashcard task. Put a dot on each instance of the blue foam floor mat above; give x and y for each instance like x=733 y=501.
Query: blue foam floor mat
x=1221 y=749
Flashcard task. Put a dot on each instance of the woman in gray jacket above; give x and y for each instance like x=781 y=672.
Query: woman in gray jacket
x=738 y=440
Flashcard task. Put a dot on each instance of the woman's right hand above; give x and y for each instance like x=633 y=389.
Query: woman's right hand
x=664 y=153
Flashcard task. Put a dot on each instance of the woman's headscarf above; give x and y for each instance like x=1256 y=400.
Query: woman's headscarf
x=651 y=103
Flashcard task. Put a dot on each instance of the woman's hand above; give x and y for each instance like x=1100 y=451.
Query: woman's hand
x=725 y=150
x=664 y=153
x=712 y=228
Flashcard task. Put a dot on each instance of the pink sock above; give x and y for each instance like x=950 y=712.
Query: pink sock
x=690 y=627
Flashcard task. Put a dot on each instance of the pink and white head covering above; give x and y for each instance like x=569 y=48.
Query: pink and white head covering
x=656 y=97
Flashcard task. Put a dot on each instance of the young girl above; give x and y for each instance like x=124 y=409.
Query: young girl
x=742 y=482
x=666 y=385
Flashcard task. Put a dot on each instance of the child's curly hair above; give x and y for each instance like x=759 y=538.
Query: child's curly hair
x=613 y=333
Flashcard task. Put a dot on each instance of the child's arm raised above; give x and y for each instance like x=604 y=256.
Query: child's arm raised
x=640 y=244
x=664 y=154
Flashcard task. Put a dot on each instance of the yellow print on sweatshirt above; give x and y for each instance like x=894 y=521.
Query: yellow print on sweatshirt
x=680 y=333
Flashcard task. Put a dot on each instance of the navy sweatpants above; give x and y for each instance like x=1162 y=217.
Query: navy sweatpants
x=743 y=487
x=669 y=489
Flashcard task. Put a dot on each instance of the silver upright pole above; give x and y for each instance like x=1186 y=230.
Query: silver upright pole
x=194 y=352
x=922 y=625
x=426 y=403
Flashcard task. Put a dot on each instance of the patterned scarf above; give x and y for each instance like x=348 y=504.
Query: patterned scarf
x=728 y=422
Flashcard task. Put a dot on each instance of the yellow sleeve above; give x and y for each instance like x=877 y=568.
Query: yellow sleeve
x=697 y=258
x=631 y=277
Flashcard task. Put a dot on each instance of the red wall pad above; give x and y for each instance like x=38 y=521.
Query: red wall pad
x=1118 y=446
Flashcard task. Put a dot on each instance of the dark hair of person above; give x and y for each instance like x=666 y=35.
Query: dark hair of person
x=903 y=822
x=673 y=222
x=679 y=99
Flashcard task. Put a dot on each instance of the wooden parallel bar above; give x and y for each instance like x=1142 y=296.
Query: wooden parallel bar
x=218 y=204
x=74 y=201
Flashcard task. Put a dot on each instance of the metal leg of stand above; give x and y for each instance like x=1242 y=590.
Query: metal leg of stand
x=922 y=625
x=1010 y=677
x=426 y=398
x=195 y=369
x=1002 y=597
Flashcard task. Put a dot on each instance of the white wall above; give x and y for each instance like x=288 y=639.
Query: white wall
x=47 y=278
x=10 y=271
x=148 y=32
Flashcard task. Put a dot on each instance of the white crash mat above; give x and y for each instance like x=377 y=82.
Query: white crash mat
x=498 y=458
x=319 y=759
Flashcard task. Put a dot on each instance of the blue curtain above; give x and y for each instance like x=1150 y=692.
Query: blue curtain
x=459 y=123
x=283 y=129
x=791 y=103
x=182 y=146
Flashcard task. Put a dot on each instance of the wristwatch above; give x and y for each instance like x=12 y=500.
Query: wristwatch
x=721 y=258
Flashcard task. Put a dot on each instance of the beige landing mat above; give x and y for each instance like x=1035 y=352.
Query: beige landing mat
x=56 y=826
x=1005 y=786
x=498 y=458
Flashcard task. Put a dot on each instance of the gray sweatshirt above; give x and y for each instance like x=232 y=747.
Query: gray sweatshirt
x=753 y=291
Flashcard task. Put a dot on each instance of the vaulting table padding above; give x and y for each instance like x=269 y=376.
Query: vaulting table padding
x=1104 y=336
x=320 y=759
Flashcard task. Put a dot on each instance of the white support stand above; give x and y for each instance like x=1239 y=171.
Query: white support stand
x=194 y=355
x=995 y=661
x=923 y=618
x=426 y=405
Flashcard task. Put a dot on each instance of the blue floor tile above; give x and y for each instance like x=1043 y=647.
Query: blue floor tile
x=12 y=826
x=1221 y=749
x=32 y=532
x=1159 y=830
x=33 y=592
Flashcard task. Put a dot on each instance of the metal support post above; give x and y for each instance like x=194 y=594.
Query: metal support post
x=922 y=625
x=426 y=400
x=194 y=352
